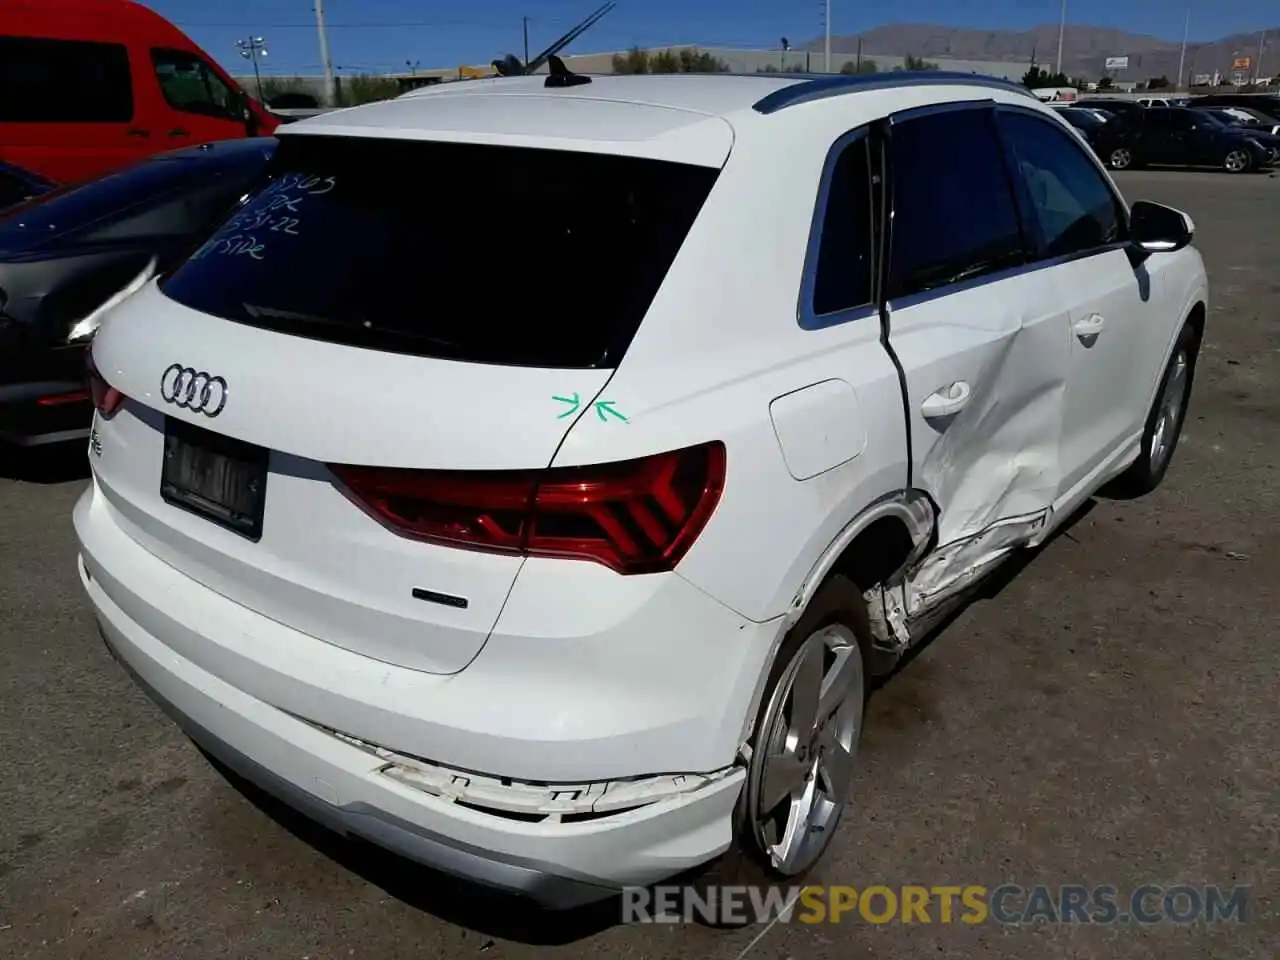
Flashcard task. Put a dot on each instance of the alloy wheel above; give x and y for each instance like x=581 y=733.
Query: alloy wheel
x=1121 y=158
x=805 y=753
x=1237 y=161
x=1169 y=416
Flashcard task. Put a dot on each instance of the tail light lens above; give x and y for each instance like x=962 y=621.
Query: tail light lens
x=633 y=516
x=106 y=398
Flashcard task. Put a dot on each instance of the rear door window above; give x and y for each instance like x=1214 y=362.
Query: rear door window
x=64 y=81
x=488 y=254
x=953 y=219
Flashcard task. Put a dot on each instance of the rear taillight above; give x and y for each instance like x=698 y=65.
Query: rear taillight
x=106 y=398
x=634 y=516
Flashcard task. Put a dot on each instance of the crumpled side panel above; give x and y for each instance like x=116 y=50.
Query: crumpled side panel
x=960 y=564
x=999 y=458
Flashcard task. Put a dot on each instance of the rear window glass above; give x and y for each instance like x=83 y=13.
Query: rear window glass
x=459 y=251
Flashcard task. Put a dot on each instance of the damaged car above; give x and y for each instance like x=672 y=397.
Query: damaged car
x=564 y=562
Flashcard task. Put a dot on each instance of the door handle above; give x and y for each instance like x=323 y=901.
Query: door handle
x=179 y=132
x=946 y=401
x=1088 y=327
x=139 y=134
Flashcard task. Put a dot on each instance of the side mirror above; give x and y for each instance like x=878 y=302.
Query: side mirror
x=247 y=116
x=1155 y=228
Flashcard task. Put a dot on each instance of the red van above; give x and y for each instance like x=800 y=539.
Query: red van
x=88 y=86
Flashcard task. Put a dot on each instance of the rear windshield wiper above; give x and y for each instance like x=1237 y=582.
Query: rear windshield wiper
x=299 y=319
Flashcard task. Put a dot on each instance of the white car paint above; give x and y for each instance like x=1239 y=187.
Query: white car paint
x=304 y=657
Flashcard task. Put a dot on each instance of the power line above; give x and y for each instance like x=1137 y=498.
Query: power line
x=241 y=25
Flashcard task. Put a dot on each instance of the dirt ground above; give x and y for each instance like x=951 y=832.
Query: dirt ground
x=1107 y=716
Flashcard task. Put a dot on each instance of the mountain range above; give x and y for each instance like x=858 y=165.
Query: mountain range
x=1084 y=48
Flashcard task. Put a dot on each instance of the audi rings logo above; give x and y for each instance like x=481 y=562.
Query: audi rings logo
x=193 y=390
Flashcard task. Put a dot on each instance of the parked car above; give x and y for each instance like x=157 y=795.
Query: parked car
x=90 y=86
x=1156 y=102
x=18 y=185
x=1102 y=115
x=1242 y=116
x=1266 y=103
x=1055 y=94
x=66 y=255
x=1177 y=136
x=293 y=100
x=563 y=585
x=1086 y=121
x=1125 y=109
x=1225 y=117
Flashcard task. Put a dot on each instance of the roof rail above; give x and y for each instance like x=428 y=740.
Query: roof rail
x=819 y=86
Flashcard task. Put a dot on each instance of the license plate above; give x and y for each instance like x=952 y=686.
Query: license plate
x=216 y=477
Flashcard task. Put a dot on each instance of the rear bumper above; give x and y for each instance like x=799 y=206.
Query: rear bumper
x=147 y=612
x=340 y=787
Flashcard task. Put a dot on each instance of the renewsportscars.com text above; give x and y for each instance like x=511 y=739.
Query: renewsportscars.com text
x=1008 y=904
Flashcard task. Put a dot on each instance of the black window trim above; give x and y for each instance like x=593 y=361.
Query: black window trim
x=924 y=296
x=1039 y=260
x=1032 y=243
x=806 y=317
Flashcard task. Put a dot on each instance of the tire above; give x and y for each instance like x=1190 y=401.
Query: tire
x=833 y=637
x=1120 y=158
x=1164 y=420
x=1237 y=161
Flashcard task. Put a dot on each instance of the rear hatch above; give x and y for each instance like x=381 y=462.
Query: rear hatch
x=384 y=318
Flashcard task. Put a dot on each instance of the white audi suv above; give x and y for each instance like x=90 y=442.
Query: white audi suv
x=531 y=475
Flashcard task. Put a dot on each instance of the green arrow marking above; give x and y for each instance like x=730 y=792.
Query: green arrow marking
x=604 y=410
x=574 y=402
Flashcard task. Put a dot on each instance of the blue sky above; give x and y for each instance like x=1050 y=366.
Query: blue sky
x=376 y=35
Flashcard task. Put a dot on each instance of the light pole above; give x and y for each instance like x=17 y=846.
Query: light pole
x=251 y=48
x=325 y=62
x=826 y=41
x=1257 y=63
x=1182 y=57
x=1062 y=29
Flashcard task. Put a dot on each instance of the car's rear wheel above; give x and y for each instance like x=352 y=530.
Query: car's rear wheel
x=1120 y=159
x=1237 y=161
x=805 y=742
x=1165 y=419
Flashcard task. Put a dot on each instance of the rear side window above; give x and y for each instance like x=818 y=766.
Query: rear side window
x=954 y=216
x=488 y=254
x=843 y=272
x=189 y=85
x=1071 y=203
x=64 y=81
